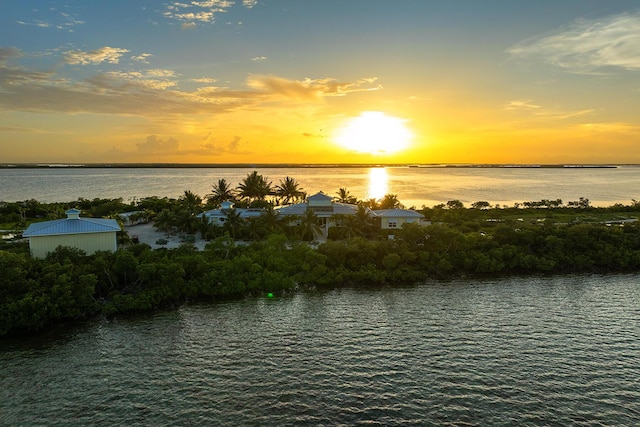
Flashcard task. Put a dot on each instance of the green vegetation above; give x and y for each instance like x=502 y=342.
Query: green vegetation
x=545 y=237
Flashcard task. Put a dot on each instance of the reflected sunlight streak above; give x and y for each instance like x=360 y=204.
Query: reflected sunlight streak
x=378 y=183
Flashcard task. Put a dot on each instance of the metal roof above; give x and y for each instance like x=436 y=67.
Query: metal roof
x=397 y=213
x=71 y=226
x=334 y=209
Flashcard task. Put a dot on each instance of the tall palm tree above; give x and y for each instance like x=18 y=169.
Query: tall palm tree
x=345 y=197
x=390 y=201
x=187 y=221
x=308 y=228
x=254 y=187
x=289 y=189
x=270 y=220
x=191 y=201
x=163 y=221
x=233 y=223
x=220 y=192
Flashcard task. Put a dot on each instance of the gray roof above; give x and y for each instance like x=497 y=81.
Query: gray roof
x=244 y=213
x=71 y=226
x=335 y=209
x=397 y=213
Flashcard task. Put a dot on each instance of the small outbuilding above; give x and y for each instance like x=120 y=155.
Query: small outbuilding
x=88 y=234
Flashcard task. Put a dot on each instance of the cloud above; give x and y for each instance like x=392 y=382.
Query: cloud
x=588 y=46
x=307 y=89
x=521 y=104
x=204 y=80
x=104 y=54
x=148 y=93
x=194 y=12
x=62 y=21
x=201 y=12
x=143 y=57
x=259 y=58
x=537 y=111
x=155 y=145
x=9 y=52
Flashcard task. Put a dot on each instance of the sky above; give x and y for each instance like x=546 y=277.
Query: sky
x=320 y=81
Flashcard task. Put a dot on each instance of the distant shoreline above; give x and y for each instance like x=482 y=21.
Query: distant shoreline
x=294 y=165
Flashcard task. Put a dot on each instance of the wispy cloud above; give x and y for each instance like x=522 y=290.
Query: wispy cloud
x=309 y=89
x=143 y=57
x=62 y=21
x=588 y=46
x=521 y=104
x=104 y=54
x=149 y=93
x=536 y=111
x=201 y=12
x=259 y=58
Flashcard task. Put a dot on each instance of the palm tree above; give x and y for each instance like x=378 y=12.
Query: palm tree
x=255 y=229
x=254 y=187
x=362 y=221
x=187 y=222
x=220 y=192
x=233 y=222
x=289 y=189
x=390 y=201
x=270 y=220
x=308 y=227
x=345 y=197
x=164 y=220
x=191 y=201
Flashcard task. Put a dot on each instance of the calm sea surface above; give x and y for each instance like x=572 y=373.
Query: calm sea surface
x=526 y=352
x=413 y=186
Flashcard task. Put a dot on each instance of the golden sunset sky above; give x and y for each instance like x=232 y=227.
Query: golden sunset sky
x=292 y=81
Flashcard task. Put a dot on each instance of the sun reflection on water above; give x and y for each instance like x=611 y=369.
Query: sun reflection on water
x=378 y=183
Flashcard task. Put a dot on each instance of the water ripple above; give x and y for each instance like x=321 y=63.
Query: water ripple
x=561 y=351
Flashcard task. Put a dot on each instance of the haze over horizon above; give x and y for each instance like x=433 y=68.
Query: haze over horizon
x=285 y=81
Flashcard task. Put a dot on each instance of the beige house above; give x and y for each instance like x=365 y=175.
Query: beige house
x=392 y=219
x=324 y=208
x=87 y=234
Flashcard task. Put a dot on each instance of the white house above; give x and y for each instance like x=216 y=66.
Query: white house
x=322 y=206
x=391 y=219
x=87 y=234
x=219 y=216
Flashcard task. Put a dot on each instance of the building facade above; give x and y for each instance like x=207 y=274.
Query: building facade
x=88 y=234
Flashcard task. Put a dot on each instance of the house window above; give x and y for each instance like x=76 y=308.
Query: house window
x=393 y=224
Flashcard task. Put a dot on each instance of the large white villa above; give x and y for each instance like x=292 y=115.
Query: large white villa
x=88 y=234
x=326 y=210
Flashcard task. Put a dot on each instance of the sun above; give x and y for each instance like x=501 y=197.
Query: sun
x=374 y=132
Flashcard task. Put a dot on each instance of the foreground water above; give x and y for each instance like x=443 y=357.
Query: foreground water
x=413 y=186
x=526 y=351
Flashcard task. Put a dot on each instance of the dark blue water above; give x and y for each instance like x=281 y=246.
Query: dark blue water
x=526 y=351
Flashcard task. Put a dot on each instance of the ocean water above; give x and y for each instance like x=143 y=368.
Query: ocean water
x=414 y=186
x=524 y=351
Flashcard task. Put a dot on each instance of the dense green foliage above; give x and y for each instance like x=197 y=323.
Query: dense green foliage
x=68 y=285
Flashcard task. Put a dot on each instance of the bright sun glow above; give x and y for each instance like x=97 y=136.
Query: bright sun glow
x=378 y=183
x=374 y=132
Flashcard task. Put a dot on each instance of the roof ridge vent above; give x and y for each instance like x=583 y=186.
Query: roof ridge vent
x=73 y=214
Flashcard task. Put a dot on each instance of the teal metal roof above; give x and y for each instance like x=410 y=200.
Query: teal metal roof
x=71 y=226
